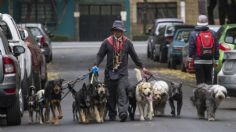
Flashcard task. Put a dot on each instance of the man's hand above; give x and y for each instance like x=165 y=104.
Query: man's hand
x=146 y=72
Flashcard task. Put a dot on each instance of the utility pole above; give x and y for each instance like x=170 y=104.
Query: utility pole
x=145 y=16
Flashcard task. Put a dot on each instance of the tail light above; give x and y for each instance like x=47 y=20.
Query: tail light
x=9 y=66
x=224 y=47
x=10 y=90
x=42 y=41
x=168 y=39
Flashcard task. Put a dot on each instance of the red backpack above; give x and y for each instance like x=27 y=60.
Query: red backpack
x=205 y=45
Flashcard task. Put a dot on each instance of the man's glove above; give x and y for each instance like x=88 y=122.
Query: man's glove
x=94 y=69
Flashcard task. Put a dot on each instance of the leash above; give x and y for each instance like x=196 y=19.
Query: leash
x=73 y=82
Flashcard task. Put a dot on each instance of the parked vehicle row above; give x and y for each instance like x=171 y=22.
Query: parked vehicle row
x=169 y=42
x=17 y=64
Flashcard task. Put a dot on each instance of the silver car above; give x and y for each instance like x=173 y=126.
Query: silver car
x=227 y=74
x=11 y=99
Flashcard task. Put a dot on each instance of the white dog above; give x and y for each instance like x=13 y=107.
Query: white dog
x=40 y=106
x=160 y=96
x=144 y=97
x=208 y=98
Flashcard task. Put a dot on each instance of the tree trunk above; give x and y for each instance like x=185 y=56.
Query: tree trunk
x=210 y=8
x=223 y=6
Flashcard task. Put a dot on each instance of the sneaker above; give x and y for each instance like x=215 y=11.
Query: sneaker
x=123 y=117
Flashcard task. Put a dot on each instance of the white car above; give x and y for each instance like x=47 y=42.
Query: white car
x=12 y=33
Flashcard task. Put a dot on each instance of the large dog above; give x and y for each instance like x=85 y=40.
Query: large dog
x=207 y=98
x=144 y=97
x=175 y=94
x=53 y=91
x=160 y=96
x=83 y=102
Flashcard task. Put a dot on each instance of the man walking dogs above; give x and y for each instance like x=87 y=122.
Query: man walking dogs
x=117 y=47
x=203 y=48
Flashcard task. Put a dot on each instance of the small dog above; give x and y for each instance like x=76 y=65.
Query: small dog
x=175 y=94
x=207 y=98
x=160 y=96
x=144 y=97
x=40 y=105
x=31 y=103
x=53 y=91
x=83 y=103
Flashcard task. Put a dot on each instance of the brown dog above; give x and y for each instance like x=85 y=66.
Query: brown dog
x=53 y=91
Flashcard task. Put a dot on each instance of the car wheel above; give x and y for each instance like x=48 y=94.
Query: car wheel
x=183 y=68
x=51 y=57
x=172 y=63
x=14 y=113
x=148 y=52
x=154 y=55
x=162 y=57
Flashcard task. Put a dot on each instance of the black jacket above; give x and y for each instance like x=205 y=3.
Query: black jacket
x=128 y=49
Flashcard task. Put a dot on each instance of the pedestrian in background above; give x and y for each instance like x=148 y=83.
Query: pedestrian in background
x=203 y=48
x=117 y=47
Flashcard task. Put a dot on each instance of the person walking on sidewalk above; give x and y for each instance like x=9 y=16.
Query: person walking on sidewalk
x=203 y=48
x=117 y=47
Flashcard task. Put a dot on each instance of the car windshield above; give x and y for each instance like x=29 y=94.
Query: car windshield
x=35 y=31
x=183 y=35
x=160 y=25
x=230 y=36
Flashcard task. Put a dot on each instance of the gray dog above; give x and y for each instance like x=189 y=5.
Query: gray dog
x=175 y=94
x=207 y=98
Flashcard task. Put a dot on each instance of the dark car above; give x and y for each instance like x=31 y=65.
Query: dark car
x=11 y=98
x=42 y=36
x=180 y=37
x=157 y=48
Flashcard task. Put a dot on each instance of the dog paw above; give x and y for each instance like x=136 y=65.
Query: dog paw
x=60 y=117
x=142 y=119
x=211 y=119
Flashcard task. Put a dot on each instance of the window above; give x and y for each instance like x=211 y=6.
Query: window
x=156 y=10
x=35 y=31
x=6 y=30
x=183 y=35
x=230 y=36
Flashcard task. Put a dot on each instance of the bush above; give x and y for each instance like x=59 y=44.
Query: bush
x=60 y=38
x=140 y=38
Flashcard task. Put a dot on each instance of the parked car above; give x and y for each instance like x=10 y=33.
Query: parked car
x=156 y=47
x=12 y=33
x=43 y=38
x=227 y=75
x=187 y=64
x=180 y=37
x=11 y=98
x=227 y=41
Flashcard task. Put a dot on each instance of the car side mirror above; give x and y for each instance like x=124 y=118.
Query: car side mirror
x=17 y=50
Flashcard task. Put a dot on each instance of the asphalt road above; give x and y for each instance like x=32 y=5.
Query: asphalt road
x=72 y=59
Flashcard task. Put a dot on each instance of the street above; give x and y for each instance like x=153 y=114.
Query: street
x=73 y=59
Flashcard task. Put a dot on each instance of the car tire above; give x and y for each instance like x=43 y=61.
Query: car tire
x=154 y=56
x=13 y=113
x=183 y=68
x=148 y=52
x=162 y=57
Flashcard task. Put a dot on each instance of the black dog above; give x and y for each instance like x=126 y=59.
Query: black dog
x=175 y=94
x=82 y=103
x=31 y=102
x=53 y=91
x=132 y=102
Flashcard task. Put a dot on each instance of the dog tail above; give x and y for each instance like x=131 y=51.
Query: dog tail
x=138 y=74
